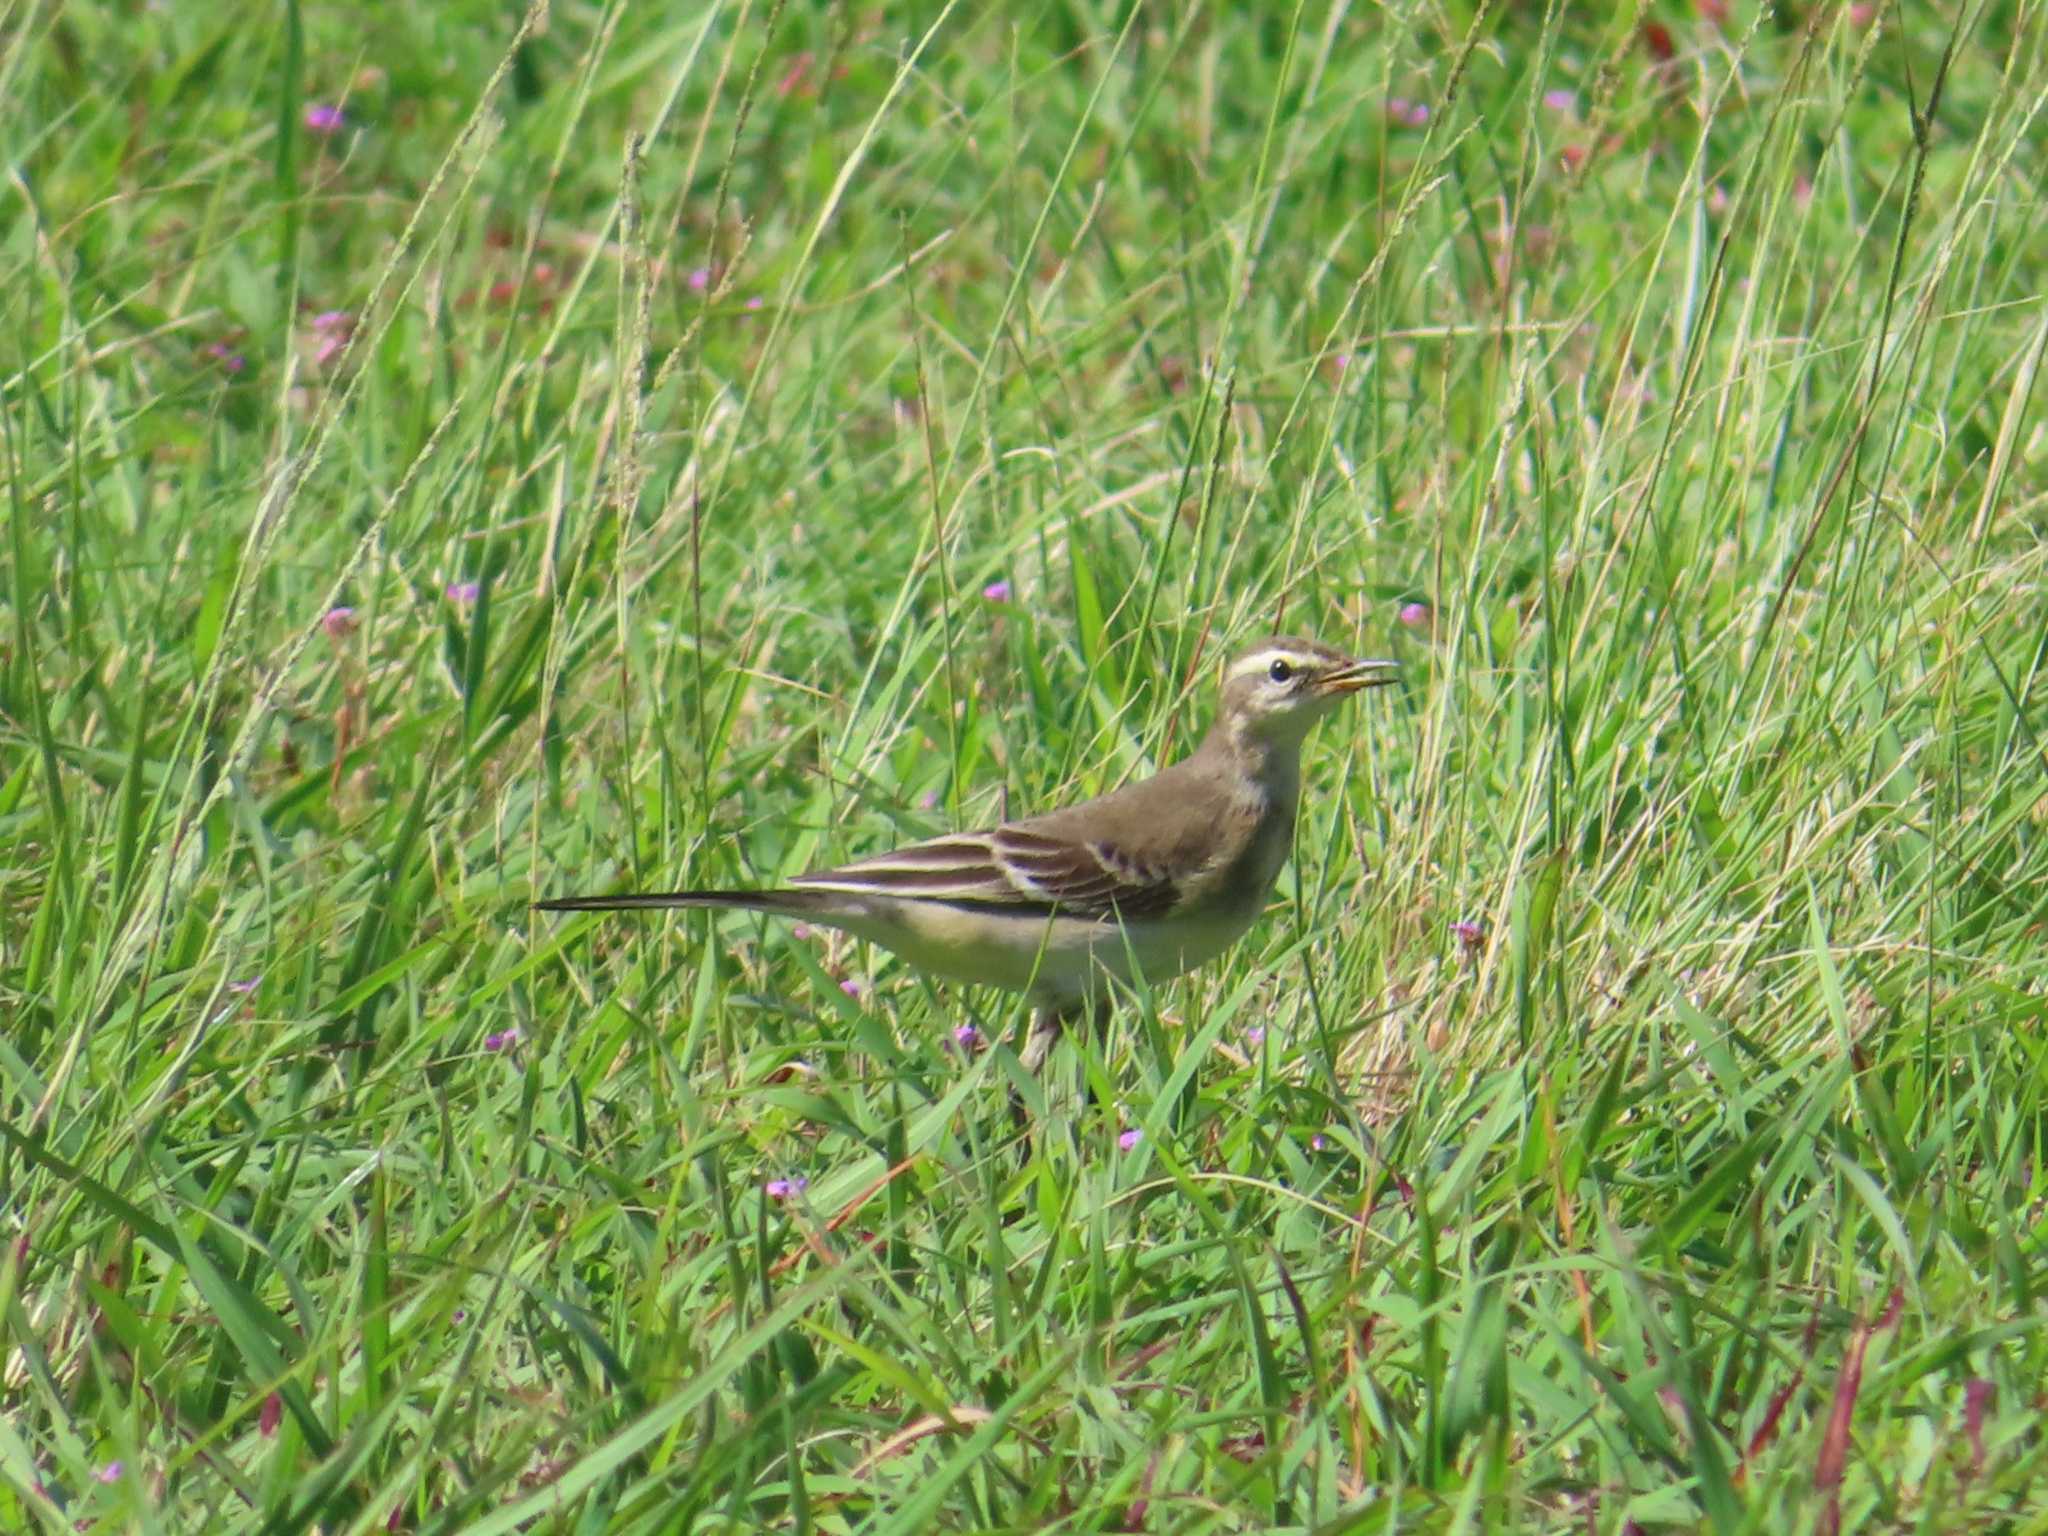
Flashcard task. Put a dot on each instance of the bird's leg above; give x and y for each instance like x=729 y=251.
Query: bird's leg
x=1039 y=1037
x=1046 y=1025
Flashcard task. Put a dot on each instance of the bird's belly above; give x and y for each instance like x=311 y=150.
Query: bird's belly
x=1058 y=959
x=1160 y=955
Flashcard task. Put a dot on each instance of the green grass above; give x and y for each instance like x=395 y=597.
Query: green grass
x=732 y=353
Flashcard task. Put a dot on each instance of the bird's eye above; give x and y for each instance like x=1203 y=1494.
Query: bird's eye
x=1280 y=671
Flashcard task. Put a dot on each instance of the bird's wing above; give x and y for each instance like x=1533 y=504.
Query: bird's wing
x=1014 y=866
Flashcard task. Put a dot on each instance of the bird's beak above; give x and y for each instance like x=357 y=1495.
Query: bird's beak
x=1354 y=675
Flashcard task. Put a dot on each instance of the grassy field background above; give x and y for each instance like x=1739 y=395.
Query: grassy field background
x=454 y=458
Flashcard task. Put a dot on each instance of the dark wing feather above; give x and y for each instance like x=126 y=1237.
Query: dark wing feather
x=1092 y=879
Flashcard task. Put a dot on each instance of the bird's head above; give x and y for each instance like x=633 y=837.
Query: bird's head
x=1274 y=691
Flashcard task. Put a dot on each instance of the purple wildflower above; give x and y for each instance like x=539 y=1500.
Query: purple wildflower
x=965 y=1036
x=754 y=302
x=1560 y=101
x=325 y=119
x=699 y=279
x=1469 y=933
x=272 y=1415
x=997 y=591
x=502 y=1040
x=226 y=356
x=1415 y=615
x=1977 y=1395
x=1406 y=113
x=1317 y=1142
x=853 y=986
x=339 y=623
x=110 y=1473
x=1130 y=1139
x=783 y=1189
x=463 y=591
x=800 y=931
x=244 y=988
x=1255 y=1035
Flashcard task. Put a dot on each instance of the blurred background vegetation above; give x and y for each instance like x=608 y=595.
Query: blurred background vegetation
x=455 y=456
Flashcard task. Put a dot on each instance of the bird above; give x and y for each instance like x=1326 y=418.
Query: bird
x=1153 y=879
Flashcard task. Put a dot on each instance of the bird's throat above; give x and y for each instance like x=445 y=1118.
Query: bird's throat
x=1274 y=766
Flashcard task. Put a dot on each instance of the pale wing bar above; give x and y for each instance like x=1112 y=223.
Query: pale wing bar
x=960 y=868
x=1010 y=866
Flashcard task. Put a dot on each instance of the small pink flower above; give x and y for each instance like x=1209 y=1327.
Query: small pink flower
x=226 y=356
x=463 y=591
x=997 y=592
x=929 y=800
x=1560 y=101
x=1341 y=361
x=244 y=988
x=755 y=302
x=1862 y=15
x=1130 y=1139
x=1317 y=1142
x=853 y=986
x=272 y=1415
x=1468 y=933
x=110 y=1473
x=502 y=1040
x=1406 y=113
x=784 y=1189
x=339 y=623
x=1415 y=615
x=1255 y=1034
x=800 y=931
x=333 y=327
x=699 y=279
x=325 y=119
x=965 y=1036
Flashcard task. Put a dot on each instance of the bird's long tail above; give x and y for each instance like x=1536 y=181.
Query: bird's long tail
x=787 y=903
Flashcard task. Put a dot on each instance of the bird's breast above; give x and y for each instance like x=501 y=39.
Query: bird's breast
x=1239 y=885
